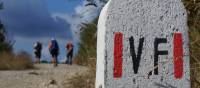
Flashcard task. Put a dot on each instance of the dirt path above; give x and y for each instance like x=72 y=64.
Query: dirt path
x=46 y=76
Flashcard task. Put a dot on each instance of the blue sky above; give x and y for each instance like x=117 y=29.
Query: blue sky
x=28 y=21
x=64 y=6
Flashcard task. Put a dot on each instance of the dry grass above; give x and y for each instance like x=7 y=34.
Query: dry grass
x=83 y=80
x=10 y=61
x=193 y=10
x=87 y=45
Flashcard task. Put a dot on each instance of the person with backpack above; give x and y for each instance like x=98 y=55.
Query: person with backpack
x=69 y=48
x=37 y=51
x=54 y=51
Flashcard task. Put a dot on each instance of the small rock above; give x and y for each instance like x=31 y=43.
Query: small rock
x=33 y=73
x=53 y=82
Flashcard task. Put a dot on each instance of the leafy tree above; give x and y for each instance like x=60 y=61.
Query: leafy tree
x=5 y=46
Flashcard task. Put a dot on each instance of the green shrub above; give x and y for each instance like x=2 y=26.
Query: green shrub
x=5 y=46
x=87 y=45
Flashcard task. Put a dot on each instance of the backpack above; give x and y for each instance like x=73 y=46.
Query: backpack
x=69 y=47
x=38 y=46
x=54 y=45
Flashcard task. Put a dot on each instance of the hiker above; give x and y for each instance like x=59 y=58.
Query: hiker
x=37 y=51
x=54 y=51
x=69 y=48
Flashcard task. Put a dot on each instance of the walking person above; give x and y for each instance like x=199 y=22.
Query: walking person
x=69 y=48
x=54 y=51
x=37 y=51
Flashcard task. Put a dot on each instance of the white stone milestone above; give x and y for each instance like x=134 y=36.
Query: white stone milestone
x=143 y=44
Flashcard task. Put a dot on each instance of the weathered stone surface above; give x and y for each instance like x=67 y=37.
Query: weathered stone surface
x=152 y=25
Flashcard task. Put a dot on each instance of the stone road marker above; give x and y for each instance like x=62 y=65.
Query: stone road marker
x=143 y=44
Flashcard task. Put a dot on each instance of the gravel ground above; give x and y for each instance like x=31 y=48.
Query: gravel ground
x=46 y=76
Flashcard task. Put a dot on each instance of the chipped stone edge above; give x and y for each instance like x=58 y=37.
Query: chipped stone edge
x=101 y=48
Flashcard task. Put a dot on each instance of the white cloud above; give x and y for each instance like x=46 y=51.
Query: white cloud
x=83 y=14
x=74 y=22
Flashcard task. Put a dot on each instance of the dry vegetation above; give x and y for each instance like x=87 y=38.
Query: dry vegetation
x=193 y=10
x=87 y=45
x=86 y=56
x=10 y=61
x=83 y=80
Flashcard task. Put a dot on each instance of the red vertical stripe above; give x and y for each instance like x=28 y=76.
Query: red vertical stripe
x=118 y=46
x=178 y=55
